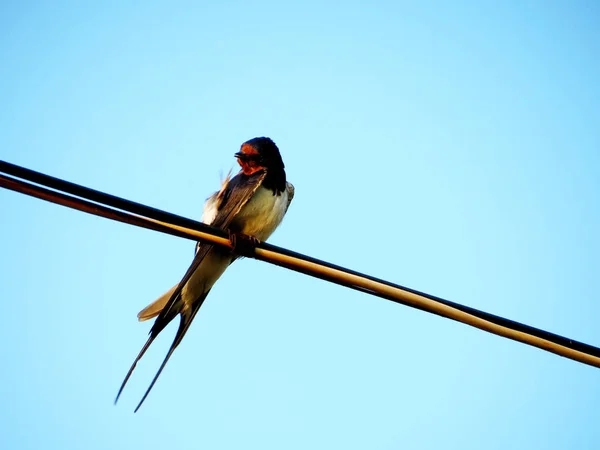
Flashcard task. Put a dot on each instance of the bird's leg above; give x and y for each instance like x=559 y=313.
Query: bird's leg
x=243 y=244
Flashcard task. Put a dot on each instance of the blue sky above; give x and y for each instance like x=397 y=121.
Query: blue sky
x=452 y=147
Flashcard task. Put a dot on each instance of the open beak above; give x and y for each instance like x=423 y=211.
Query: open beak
x=242 y=156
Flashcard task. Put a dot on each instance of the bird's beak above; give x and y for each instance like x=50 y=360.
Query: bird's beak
x=240 y=155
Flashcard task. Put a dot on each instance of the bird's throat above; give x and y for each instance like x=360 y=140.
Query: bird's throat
x=250 y=168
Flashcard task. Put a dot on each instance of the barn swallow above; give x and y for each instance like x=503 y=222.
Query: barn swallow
x=250 y=206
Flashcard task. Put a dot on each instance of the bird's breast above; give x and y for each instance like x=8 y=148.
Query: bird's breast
x=262 y=214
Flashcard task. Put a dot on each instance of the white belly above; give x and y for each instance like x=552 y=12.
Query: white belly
x=262 y=214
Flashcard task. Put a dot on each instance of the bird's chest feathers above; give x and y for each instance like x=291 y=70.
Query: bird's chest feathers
x=262 y=214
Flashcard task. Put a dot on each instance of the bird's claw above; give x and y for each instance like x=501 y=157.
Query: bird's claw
x=242 y=244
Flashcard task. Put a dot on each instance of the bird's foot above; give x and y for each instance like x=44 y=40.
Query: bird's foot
x=242 y=244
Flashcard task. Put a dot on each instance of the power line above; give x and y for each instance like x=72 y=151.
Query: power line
x=93 y=202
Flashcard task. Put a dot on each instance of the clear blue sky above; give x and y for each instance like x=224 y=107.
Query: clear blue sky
x=463 y=136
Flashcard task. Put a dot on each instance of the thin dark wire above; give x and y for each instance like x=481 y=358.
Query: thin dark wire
x=104 y=198
x=156 y=214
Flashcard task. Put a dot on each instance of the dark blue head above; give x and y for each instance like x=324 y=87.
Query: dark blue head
x=261 y=153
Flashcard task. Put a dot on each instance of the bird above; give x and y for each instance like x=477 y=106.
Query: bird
x=250 y=206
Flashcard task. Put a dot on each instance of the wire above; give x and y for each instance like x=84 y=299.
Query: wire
x=165 y=222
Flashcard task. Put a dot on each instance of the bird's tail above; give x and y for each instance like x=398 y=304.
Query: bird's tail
x=187 y=316
x=154 y=308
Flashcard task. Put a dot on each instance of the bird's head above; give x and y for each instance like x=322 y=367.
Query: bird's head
x=258 y=154
x=261 y=153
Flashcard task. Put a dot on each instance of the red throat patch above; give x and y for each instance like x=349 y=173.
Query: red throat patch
x=249 y=167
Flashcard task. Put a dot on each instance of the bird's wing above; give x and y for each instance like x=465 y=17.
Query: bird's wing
x=231 y=199
x=290 y=191
x=234 y=196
